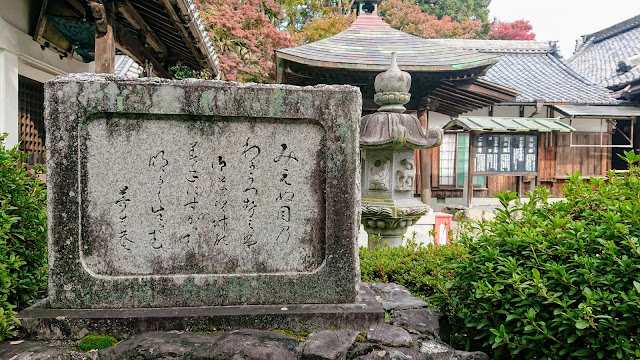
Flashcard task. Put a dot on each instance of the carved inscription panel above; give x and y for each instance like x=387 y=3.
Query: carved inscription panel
x=209 y=196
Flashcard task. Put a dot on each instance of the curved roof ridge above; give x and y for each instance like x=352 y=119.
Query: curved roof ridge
x=614 y=29
x=571 y=71
x=370 y=21
x=368 y=43
x=501 y=46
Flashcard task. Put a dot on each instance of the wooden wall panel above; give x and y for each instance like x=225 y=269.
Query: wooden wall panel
x=31 y=131
x=556 y=159
x=589 y=160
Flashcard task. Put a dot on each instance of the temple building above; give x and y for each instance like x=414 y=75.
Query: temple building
x=42 y=39
x=539 y=118
x=444 y=78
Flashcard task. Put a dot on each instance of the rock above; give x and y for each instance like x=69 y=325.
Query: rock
x=488 y=216
x=327 y=345
x=436 y=350
x=453 y=209
x=242 y=344
x=362 y=348
x=463 y=355
x=389 y=335
x=29 y=350
x=386 y=354
x=456 y=210
x=474 y=215
x=429 y=322
x=393 y=297
x=516 y=215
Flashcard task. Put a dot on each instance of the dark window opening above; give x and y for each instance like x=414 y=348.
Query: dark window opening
x=621 y=135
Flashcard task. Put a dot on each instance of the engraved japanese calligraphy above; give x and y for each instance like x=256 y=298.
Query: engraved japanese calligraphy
x=221 y=201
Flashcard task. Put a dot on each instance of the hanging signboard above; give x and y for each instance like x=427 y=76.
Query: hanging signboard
x=505 y=154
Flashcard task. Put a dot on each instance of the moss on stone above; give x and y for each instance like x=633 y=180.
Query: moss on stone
x=299 y=335
x=91 y=342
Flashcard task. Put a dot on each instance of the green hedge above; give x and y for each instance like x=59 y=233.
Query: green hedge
x=542 y=281
x=23 y=236
x=424 y=270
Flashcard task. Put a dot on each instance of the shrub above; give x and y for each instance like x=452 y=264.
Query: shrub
x=97 y=342
x=181 y=71
x=424 y=270
x=23 y=236
x=557 y=281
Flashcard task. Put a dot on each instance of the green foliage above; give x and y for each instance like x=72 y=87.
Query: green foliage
x=554 y=281
x=421 y=269
x=181 y=71
x=322 y=27
x=458 y=10
x=23 y=236
x=542 y=281
x=97 y=342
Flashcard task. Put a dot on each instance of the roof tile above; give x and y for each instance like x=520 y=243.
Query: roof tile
x=600 y=53
x=534 y=69
x=370 y=41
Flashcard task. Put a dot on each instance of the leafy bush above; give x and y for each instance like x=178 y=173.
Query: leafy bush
x=557 y=281
x=23 y=236
x=181 y=71
x=98 y=342
x=424 y=270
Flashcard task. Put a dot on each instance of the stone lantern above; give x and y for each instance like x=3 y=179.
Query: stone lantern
x=388 y=139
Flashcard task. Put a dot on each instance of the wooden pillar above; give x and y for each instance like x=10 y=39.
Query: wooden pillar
x=105 y=50
x=469 y=185
x=635 y=136
x=425 y=166
x=279 y=69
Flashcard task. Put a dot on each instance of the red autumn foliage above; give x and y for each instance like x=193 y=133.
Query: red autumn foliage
x=517 y=30
x=407 y=16
x=244 y=37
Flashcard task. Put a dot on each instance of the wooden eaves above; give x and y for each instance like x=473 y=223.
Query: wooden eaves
x=156 y=33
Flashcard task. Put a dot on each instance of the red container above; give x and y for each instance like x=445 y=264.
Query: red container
x=442 y=228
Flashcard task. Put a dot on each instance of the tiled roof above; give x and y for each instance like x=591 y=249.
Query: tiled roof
x=600 y=54
x=534 y=69
x=126 y=66
x=501 y=46
x=369 y=42
x=507 y=124
x=192 y=21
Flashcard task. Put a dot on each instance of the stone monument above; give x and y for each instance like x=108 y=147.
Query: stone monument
x=388 y=139
x=175 y=204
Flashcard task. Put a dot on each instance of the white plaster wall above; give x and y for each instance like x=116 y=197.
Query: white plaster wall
x=506 y=111
x=437 y=119
x=478 y=112
x=9 y=97
x=20 y=55
x=587 y=125
x=16 y=13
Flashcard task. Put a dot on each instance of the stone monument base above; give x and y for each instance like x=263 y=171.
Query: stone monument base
x=40 y=321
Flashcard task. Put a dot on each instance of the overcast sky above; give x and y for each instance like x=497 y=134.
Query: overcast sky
x=565 y=20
